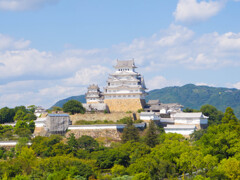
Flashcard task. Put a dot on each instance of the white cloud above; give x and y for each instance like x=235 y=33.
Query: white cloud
x=237 y=85
x=204 y=84
x=192 y=10
x=7 y=42
x=30 y=76
x=175 y=35
x=38 y=92
x=20 y=5
x=93 y=74
x=159 y=82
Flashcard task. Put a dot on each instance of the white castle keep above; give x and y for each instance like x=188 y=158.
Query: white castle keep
x=125 y=82
x=125 y=90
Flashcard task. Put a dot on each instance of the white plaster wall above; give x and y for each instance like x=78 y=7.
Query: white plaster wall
x=180 y=131
x=163 y=111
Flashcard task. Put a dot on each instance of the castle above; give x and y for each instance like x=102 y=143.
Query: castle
x=125 y=90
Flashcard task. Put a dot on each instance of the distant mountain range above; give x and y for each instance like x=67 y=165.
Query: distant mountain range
x=190 y=96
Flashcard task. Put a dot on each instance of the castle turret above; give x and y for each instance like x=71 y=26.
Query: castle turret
x=94 y=95
x=125 y=89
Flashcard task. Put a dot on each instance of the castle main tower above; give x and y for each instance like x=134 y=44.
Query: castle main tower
x=125 y=89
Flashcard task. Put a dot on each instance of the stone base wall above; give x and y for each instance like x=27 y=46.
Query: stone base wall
x=100 y=116
x=112 y=134
x=124 y=105
x=40 y=131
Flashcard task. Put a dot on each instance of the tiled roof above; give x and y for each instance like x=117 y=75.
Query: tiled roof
x=125 y=64
x=93 y=86
x=153 y=102
x=189 y=115
x=58 y=115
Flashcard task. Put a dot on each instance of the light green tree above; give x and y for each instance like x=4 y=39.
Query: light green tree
x=229 y=117
x=230 y=168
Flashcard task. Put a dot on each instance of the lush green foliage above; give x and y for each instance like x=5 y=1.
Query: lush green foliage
x=215 y=116
x=213 y=153
x=73 y=106
x=151 y=137
x=8 y=115
x=130 y=132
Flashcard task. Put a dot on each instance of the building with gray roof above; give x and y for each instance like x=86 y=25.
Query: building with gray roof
x=94 y=95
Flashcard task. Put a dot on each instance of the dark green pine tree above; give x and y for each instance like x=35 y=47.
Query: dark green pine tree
x=130 y=133
x=151 y=137
x=72 y=142
x=229 y=117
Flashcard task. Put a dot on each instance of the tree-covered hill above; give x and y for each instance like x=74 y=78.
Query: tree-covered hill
x=193 y=96
x=80 y=98
x=190 y=96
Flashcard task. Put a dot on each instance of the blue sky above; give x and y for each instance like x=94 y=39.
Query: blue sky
x=53 y=49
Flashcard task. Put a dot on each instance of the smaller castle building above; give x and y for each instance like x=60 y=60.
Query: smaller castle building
x=94 y=95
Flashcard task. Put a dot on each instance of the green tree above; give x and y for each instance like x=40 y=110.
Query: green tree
x=73 y=107
x=29 y=117
x=130 y=133
x=20 y=114
x=229 y=117
x=32 y=108
x=230 y=168
x=22 y=142
x=56 y=108
x=27 y=159
x=221 y=140
x=142 y=176
x=196 y=135
x=31 y=126
x=6 y=115
x=107 y=159
x=151 y=137
x=87 y=143
x=118 y=170
x=190 y=110
x=190 y=161
x=22 y=108
x=72 y=142
x=215 y=116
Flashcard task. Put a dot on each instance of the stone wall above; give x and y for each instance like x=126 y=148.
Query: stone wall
x=40 y=131
x=124 y=105
x=99 y=116
x=112 y=134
